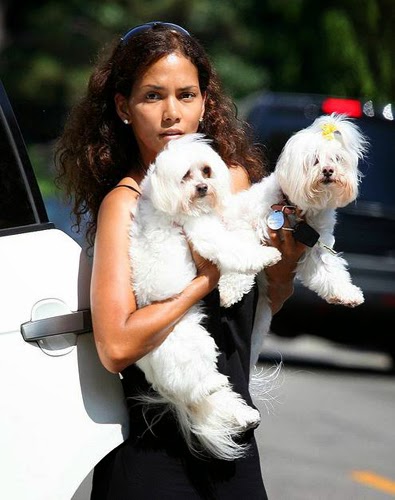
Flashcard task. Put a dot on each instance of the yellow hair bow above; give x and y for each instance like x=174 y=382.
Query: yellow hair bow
x=328 y=130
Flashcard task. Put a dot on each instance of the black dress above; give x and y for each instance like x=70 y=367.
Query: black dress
x=157 y=465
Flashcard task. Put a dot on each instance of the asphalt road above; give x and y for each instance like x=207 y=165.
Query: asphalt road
x=329 y=432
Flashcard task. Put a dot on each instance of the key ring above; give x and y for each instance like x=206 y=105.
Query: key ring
x=276 y=217
x=291 y=207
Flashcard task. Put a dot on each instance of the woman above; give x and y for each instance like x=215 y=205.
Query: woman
x=157 y=84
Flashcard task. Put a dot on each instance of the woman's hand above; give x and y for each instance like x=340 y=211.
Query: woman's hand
x=205 y=268
x=281 y=275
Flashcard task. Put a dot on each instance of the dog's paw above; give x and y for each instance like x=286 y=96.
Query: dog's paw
x=233 y=286
x=270 y=256
x=261 y=258
x=249 y=259
x=247 y=418
x=227 y=408
x=351 y=296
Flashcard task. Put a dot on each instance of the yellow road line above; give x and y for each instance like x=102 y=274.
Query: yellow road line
x=374 y=481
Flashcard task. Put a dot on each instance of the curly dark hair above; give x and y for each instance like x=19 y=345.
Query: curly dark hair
x=96 y=150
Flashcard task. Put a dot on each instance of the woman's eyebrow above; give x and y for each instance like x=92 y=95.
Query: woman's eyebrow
x=161 y=87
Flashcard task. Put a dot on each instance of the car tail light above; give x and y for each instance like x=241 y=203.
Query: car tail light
x=349 y=107
x=388 y=300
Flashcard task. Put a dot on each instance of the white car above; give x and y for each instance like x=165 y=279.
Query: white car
x=60 y=410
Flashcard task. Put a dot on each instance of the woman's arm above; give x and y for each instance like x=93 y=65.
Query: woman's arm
x=123 y=333
x=281 y=275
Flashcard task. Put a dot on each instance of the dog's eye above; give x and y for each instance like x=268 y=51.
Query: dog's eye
x=187 y=176
x=206 y=171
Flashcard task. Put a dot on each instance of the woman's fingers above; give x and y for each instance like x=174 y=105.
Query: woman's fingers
x=283 y=238
x=204 y=266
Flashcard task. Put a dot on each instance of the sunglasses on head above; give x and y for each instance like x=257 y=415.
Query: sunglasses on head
x=144 y=27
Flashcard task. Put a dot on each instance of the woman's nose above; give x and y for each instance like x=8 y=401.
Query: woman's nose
x=171 y=111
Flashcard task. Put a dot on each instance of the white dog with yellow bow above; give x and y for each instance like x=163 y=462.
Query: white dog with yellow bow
x=317 y=172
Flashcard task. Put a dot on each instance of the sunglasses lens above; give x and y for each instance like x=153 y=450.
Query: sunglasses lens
x=144 y=27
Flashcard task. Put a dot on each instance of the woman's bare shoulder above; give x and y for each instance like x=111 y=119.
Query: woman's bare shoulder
x=240 y=178
x=125 y=193
x=118 y=205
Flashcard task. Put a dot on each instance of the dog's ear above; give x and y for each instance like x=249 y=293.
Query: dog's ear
x=352 y=137
x=164 y=196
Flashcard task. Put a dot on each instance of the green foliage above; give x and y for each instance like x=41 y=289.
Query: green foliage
x=41 y=157
x=342 y=47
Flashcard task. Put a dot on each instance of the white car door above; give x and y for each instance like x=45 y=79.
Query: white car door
x=60 y=410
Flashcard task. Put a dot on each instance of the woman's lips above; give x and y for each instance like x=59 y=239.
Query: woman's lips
x=171 y=134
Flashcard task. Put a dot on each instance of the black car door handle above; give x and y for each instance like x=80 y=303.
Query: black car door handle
x=75 y=322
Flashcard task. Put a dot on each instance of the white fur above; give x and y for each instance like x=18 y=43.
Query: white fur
x=185 y=195
x=330 y=148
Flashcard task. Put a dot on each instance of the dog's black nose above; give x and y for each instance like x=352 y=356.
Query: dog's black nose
x=201 y=189
x=327 y=175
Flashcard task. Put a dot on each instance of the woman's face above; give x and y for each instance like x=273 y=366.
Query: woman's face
x=165 y=103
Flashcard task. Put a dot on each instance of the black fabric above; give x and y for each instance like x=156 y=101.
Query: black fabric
x=156 y=465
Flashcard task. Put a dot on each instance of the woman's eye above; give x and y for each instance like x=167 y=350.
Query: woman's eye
x=187 y=95
x=152 y=96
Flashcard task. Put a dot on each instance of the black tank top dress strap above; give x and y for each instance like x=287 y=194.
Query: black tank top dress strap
x=129 y=187
x=156 y=464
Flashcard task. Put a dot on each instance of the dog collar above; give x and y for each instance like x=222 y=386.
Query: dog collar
x=301 y=231
x=279 y=211
x=285 y=209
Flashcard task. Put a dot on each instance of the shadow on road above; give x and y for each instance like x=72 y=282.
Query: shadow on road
x=319 y=354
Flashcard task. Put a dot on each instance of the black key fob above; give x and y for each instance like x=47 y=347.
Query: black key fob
x=305 y=234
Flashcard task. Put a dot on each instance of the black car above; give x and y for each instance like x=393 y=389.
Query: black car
x=365 y=231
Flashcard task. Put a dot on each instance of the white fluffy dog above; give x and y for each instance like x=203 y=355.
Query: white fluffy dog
x=317 y=172
x=185 y=196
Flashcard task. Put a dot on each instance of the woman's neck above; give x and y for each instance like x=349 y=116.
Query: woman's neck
x=137 y=172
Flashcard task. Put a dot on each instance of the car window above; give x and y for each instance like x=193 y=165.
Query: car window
x=15 y=209
x=21 y=205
